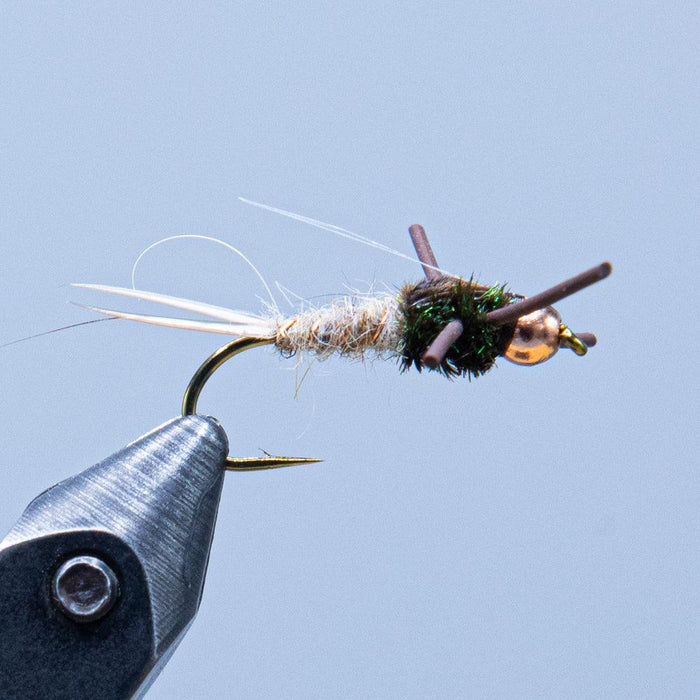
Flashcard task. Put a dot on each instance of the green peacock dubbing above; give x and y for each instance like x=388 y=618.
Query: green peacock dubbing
x=428 y=306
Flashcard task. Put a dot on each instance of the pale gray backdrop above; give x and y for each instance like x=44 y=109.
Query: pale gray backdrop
x=531 y=534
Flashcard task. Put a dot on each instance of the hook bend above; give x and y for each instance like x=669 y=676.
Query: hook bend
x=194 y=389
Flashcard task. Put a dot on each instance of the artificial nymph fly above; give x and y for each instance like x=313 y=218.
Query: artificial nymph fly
x=449 y=324
x=444 y=322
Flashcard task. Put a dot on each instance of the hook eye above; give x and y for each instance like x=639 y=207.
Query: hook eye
x=569 y=339
x=194 y=389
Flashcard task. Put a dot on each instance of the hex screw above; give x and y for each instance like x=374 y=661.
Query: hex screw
x=85 y=588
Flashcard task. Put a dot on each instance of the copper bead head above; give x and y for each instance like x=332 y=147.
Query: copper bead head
x=536 y=337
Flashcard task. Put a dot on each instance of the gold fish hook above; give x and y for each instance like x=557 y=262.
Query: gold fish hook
x=194 y=389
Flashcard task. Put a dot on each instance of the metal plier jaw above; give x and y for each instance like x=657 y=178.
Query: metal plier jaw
x=103 y=573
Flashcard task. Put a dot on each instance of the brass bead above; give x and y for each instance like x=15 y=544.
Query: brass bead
x=536 y=337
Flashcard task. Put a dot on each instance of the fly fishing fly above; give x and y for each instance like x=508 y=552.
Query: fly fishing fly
x=445 y=323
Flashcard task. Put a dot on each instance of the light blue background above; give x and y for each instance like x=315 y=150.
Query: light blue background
x=531 y=534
